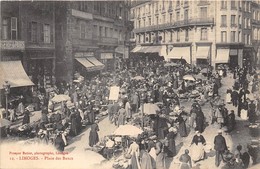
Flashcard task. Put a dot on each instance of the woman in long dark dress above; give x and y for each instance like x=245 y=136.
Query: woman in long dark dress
x=182 y=125
x=200 y=121
x=93 y=135
x=171 y=142
x=26 y=117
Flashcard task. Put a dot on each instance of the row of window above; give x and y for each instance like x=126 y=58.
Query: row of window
x=39 y=32
x=151 y=37
x=233 y=23
x=203 y=36
x=155 y=20
x=102 y=31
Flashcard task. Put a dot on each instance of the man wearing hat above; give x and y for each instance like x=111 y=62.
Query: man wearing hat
x=220 y=146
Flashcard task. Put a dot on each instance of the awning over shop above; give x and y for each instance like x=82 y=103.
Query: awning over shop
x=89 y=66
x=203 y=52
x=233 y=52
x=98 y=64
x=143 y=49
x=120 y=49
x=222 y=56
x=14 y=73
x=180 y=52
x=136 y=49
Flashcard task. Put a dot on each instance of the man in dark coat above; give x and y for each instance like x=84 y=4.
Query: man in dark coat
x=220 y=146
x=26 y=117
x=234 y=97
x=59 y=143
x=251 y=111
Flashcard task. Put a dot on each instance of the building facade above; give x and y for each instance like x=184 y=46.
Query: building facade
x=90 y=36
x=202 y=32
x=27 y=35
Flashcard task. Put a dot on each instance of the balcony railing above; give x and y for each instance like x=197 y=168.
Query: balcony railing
x=107 y=40
x=233 y=25
x=177 y=24
x=132 y=16
x=170 y=9
x=12 y=45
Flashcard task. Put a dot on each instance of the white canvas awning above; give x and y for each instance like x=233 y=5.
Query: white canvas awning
x=222 y=56
x=14 y=73
x=89 y=66
x=97 y=63
x=180 y=52
x=202 y=52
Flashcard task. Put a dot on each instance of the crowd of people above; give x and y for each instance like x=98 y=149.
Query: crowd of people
x=154 y=82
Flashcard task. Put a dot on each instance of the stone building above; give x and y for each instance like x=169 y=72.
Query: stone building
x=203 y=32
x=90 y=36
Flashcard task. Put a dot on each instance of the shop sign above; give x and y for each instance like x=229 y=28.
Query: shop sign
x=106 y=56
x=88 y=54
x=12 y=45
x=79 y=55
x=80 y=14
x=114 y=93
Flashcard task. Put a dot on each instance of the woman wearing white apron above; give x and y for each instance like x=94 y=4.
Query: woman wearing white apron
x=197 y=147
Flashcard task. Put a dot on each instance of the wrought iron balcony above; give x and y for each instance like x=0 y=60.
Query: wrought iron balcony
x=107 y=41
x=177 y=24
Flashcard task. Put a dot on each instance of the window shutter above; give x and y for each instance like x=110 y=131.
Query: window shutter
x=41 y=32
x=29 y=32
x=51 y=27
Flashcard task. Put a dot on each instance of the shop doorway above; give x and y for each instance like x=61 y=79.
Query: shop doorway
x=233 y=62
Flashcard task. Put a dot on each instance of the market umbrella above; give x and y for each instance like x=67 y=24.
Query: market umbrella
x=189 y=77
x=4 y=122
x=204 y=70
x=150 y=108
x=138 y=78
x=128 y=130
x=200 y=76
x=60 y=98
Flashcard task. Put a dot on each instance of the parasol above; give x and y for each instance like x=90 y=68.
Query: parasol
x=4 y=122
x=204 y=70
x=189 y=77
x=138 y=78
x=200 y=76
x=150 y=108
x=128 y=130
x=60 y=98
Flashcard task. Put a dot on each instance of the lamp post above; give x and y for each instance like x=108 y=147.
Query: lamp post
x=6 y=87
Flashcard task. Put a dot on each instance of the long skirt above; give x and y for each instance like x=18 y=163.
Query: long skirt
x=184 y=166
x=93 y=138
x=135 y=162
x=197 y=152
x=244 y=114
x=160 y=161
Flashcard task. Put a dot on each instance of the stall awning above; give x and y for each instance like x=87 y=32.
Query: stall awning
x=202 y=52
x=89 y=66
x=98 y=64
x=136 y=49
x=180 y=52
x=222 y=56
x=14 y=73
x=233 y=52
x=143 y=49
x=120 y=49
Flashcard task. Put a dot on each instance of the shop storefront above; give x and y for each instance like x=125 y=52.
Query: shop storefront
x=108 y=60
x=41 y=67
x=87 y=65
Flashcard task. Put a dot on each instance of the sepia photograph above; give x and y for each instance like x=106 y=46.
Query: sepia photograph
x=130 y=84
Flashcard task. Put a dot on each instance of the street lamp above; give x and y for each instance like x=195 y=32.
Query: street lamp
x=6 y=87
